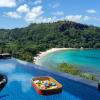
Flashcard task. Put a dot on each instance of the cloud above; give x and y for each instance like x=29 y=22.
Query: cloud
x=56 y=5
x=13 y=15
x=40 y=19
x=48 y=20
x=58 y=13
x=81 y=18
x=23 y=79
x=7 y=3
x=7 y=68
x=34 y=14
x=23 y=9
x=91 y=11
x=36 y=2
x=75 y=18
x=86 y=18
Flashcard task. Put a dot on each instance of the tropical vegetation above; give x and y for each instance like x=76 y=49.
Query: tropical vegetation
x=25 y=43
x=70 y=69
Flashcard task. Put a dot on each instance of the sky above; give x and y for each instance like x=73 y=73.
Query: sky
x=20 y=13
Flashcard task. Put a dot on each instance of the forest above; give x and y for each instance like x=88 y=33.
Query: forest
x=25 y=43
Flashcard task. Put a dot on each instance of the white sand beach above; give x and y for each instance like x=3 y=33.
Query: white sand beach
x=42 y=54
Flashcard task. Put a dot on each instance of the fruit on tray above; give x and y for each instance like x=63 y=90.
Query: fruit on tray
x=45 y=84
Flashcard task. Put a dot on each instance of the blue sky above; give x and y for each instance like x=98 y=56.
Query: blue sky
x=20 y=13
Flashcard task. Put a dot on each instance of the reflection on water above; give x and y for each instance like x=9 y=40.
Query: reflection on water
x=19 y=84
x=24 y=79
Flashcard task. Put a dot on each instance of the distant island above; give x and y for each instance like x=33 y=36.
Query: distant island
x=25 y=43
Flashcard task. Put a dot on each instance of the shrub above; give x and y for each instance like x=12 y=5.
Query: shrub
x=88 y=76
x=68 y=69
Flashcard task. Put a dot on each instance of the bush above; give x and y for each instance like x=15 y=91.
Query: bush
x=99 y=81
x=88 y=76
x=68 y=69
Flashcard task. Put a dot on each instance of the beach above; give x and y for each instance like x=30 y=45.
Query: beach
x=42 y=54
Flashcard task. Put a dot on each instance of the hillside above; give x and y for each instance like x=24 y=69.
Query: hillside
x=24 y=43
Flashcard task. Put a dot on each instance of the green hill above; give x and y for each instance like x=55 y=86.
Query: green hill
x=24 y=43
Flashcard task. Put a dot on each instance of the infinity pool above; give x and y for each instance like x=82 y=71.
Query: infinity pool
x=19 y=83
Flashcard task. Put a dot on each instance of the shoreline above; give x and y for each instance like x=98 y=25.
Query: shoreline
x=42 y=54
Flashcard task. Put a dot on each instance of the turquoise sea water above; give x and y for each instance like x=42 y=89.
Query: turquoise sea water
x=86 y=60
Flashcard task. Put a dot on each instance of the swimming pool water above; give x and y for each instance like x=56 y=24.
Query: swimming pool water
x=19 y=87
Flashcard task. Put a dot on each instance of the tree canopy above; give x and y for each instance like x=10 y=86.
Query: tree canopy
x=24 y=43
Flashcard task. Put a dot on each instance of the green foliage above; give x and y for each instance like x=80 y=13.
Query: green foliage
x=99 y=81
x=24 y=43
x=88 y=76
x=68 y=69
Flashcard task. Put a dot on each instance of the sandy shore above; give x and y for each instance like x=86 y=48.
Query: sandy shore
x=42 y=54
